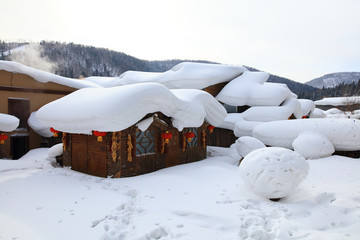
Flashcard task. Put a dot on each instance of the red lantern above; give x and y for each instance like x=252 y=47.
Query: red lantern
x=167 y=136
x=189 y=135
x=211 y=128
x=55 y=132
x=3 y=137
x=99 y=135
x=303 y=117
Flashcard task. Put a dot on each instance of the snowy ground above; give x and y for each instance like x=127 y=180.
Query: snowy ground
x=202 y=200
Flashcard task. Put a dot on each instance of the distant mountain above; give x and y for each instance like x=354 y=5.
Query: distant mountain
x=74 y=60
x=334 y=79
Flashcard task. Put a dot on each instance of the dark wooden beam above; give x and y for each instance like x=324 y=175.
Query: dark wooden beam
x=23 y=89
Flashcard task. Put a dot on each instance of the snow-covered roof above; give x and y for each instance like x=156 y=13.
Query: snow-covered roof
x=8 y=123
x=307 y=106
x=184 y=75
x=117 y=108
x=43 y=76
x=339 y=101
x=250 y=89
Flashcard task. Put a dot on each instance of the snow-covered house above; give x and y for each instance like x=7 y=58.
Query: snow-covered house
x=24 y=90
x=132 y=129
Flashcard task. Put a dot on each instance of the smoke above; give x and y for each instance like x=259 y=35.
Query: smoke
x=32 y=56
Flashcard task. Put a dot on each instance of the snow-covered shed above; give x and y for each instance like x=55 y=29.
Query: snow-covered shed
x=132 y=129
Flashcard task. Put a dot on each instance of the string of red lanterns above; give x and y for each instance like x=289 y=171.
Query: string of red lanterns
x=99 y=135
x=166 y=136
x=3 y=138
x=55 y=132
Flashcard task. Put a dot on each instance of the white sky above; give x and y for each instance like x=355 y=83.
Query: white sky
x=297 y=39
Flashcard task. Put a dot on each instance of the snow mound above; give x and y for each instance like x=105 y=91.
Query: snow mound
x=56 y=150
x=245 y=145
x=313 y=145
x=343 y=133
x=8 y=123
x=273 y=172
x=250 y=89
x=117 y=108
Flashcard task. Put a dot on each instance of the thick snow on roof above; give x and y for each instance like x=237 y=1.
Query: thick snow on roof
x=184 y=75
x=43 y=76
x=38 y=127
x=250 y=89
x=343 y=133
x=307 y=106
x=117 y=108
x=8 y=123
x=339 y=101
x=243 y=123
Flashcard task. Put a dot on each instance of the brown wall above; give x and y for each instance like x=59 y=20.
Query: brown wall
x=15 y=85
x=122 y=166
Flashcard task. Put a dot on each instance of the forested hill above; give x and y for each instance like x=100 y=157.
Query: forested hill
x=75 y=60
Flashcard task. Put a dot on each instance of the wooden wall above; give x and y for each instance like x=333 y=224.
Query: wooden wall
x=221 y=138
x=112 y=157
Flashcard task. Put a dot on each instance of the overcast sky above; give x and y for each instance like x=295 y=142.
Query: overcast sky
x=297 y=39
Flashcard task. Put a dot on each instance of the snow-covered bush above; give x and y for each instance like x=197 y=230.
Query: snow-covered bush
x=312 y=145
x=273 y=172
x=245 y=145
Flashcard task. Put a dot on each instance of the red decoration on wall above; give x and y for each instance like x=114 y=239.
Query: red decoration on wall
x=166 y=136
x=211 y=128
x=3 y=137
x=189 y=136
x=99 y=135
x=55 y=132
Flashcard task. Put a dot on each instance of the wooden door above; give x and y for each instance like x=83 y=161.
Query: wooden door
x=96 y=157
x=89 y=155
x=19 y=146
x=79 y=154
x=173 y=148
x=20 y=108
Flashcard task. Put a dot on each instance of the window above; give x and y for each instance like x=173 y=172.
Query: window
x=145 y=142
x=194 y=140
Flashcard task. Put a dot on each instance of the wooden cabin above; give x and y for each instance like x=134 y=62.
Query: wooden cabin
x=132 y=152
